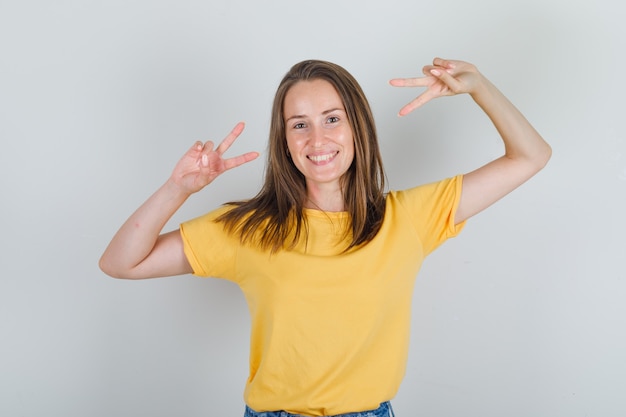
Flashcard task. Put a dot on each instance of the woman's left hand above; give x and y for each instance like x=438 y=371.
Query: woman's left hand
x=442 y=78
x=525 y=151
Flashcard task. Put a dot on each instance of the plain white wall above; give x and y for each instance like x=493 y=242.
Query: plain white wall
x=522 y=315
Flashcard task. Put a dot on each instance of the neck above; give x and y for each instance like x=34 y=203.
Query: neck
x=325 y=198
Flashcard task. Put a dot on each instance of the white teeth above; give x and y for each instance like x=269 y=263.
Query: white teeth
x=322 y=158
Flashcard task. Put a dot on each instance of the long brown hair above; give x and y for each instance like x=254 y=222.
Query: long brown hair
x=275 y=218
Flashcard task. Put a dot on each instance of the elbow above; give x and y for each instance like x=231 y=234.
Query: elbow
x=109 y=269
x=544 y=157
x=537 y=158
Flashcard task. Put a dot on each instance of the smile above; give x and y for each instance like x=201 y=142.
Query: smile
x=322 y=158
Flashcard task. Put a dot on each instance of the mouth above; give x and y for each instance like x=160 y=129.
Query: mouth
x=323 y=158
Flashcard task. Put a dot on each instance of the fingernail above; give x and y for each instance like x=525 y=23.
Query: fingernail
x=435 y=72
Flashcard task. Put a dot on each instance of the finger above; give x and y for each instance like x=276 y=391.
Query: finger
x=208 y=147
x=240 y=160
x=194 y=150
x=444 y=63
x=417 y=102
x=412 y=82
x=427 y=70
x=447 y=78
x=228 y=140
x=198 y=146
x=205 y=149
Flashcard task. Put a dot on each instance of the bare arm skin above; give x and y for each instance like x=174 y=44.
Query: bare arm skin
x=526 y=153
x=139 y=250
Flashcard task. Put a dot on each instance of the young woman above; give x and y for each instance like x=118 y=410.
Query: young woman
x=325 y=257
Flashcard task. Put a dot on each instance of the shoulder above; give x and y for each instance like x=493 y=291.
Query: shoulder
x=207 y=221
x=430 y=209
x=448 y=189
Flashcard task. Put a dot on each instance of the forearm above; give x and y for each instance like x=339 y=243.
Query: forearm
x=137 y=237
x=522 y=142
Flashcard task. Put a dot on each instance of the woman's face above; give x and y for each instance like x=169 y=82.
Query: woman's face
x=319 y=136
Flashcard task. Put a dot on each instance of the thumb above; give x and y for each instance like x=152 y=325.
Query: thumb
x=453 y=84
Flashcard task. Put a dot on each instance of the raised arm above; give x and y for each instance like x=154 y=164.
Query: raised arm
x=139 y=250
x=525 y=151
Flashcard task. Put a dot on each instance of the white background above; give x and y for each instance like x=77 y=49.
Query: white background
x=522 y=315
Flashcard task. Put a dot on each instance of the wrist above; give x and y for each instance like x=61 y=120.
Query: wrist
x=484 y=91
x=175 y=191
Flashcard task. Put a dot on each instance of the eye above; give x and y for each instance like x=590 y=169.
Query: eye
x=298 y=126
x=332 y=119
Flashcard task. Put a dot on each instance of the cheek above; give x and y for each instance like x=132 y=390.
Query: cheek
x=289 y=147
x=295 y=145
x=293 y=153
x=350 y=148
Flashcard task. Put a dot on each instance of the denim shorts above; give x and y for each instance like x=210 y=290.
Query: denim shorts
x=384 y=410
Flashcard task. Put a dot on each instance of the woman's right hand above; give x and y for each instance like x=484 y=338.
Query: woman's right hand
x=138 y=250
x=202 y=163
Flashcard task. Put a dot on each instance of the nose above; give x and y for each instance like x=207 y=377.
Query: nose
x=317 y=139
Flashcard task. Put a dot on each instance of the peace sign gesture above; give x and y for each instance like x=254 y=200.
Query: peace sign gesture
x=442 y=78
x=203 y=162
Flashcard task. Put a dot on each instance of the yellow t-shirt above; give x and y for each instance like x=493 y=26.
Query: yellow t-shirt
x=330 y=330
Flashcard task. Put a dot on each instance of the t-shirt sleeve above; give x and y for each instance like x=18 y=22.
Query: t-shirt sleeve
x=209 y=249
x=432 y=208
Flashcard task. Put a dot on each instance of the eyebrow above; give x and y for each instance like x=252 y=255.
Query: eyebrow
x=302 y=116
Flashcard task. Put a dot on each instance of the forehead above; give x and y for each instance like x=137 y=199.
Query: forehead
x=312 y=95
